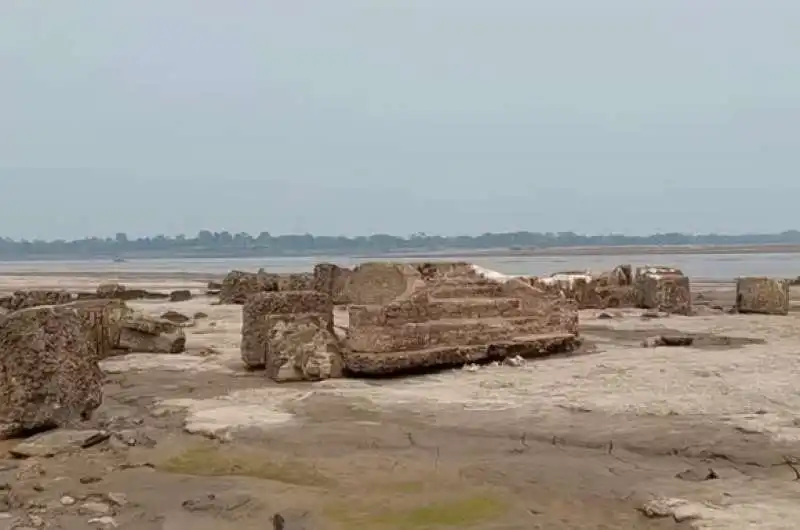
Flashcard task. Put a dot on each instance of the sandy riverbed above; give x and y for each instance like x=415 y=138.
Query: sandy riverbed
x=575 y=442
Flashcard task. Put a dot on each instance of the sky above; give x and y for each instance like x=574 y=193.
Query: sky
x=356 y=117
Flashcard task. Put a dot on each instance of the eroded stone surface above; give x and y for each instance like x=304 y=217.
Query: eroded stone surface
x=48 y=369
x=664 y=289
x=768 y=296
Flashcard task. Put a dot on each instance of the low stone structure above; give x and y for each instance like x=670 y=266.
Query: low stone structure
x=34 y=298
x=49 y=375
x=117 y=291
x=664 y=289
x=416 y=316
x=769 y=296
x=290 y=334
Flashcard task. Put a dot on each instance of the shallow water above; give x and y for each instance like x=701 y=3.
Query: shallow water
x=698 y=266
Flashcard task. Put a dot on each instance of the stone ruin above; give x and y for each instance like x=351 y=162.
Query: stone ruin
x=610 y=289
x=403 y=318
x=769 y=296
x=35 y=297
x=664 y=289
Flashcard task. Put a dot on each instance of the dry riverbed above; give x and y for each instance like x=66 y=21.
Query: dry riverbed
x=578 y=442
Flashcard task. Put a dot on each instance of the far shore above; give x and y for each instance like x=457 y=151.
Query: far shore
x=452 y=253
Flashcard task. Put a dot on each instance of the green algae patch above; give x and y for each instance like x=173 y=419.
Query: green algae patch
x=460 y=513
x=215 y=461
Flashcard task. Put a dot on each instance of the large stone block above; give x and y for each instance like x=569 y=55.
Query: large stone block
x=769 y=296
x=290 y=334
x=664 y=289
x=239 y=285
x=49 y=375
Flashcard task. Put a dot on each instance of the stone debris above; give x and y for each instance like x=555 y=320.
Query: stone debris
x=290 y=334
x=768 y=296
x=664 y=289
x=668 y=340
x=612 y=289
x=49 y=375
x=143 y=334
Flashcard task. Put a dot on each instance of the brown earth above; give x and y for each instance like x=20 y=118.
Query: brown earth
x=573 y=442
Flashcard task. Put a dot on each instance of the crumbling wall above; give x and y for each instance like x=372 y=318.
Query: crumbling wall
x=768 y=296
x=290 y=335
x=593 y=291
x=664 y=289
x=331 y=279
x=48 y=368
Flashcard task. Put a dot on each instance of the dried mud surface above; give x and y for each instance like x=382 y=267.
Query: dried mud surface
x=573 y=442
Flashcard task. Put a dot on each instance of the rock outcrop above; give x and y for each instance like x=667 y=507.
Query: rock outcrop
x=664 y=289
x=419 y=316
x=769 y=296
x=34 y=298
x=143 y=334
x=49 y=375
x=290 y=334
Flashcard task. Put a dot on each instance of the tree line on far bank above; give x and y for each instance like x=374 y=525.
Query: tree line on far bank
x=207 y=243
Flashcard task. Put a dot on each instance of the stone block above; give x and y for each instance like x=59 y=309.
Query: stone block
x=663 y=289
x=290 y=334
x=768 y=296
x=49 y=375
x=239 y=285
x=331 y=280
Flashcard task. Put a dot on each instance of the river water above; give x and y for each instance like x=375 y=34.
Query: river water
x=699 y=266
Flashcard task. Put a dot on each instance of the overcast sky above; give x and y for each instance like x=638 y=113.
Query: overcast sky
x=362 y=116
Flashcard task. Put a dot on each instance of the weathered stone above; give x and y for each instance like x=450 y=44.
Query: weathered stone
x=180 y=295
x=175 y=317
x=452 y=314
x=762 y=295
x=239 y=285
x=663 y=289
x=48 y=367
x=290 y=334
x=142 y=334
x=593 y=291
x=34 y=298
x=56 y=442
x=331 y=280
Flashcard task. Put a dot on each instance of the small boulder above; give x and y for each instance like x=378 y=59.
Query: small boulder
x=175 y=317
x=180 y=295
x=142 y=334
x=199 y=315
x=57 y=442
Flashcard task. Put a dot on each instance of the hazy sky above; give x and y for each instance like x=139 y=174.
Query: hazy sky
x=362 y=116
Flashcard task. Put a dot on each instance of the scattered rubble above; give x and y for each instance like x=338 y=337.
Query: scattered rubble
x=34 y=298
x=143 y=334
x=117 y=291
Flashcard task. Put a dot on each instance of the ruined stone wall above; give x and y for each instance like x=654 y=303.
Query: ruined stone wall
x=33 y=298
x=290 y=335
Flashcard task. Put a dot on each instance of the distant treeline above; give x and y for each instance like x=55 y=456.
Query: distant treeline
x=210 y=244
